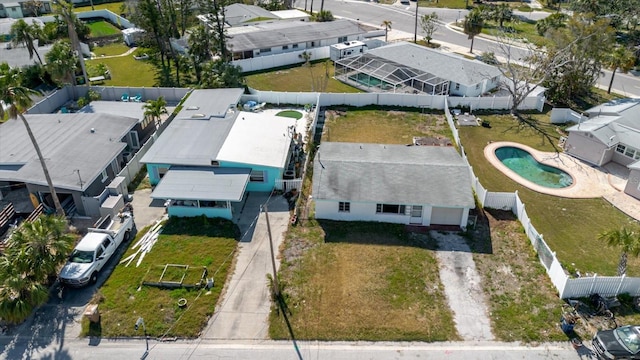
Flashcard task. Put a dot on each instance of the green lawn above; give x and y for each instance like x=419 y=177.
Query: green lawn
x=449 y=4
x=111 y=49
x=197 y=242
x=113 y=7
x=298 y=79
x=290 y=114
x=102 y=28
x=385 y=126
x=521 y=29
x=127 y=71
x=569 y=226
x=361 y=281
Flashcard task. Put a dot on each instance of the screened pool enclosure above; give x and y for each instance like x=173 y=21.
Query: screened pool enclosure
x=372 y=73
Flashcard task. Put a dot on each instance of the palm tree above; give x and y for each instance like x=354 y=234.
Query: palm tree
x=23 y=33
x=473 y=24
x=620 y=58
x=65 y=10
x=155 y=108
x=62 y=62
x=16 y=99
x=41 y=246
x=387 y=27
x=19 y=294
x=627 y=241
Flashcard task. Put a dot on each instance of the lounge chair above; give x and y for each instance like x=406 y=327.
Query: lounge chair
x=137 y=98
x=125 y=97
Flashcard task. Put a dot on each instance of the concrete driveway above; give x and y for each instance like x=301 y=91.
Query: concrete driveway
x=244 y=309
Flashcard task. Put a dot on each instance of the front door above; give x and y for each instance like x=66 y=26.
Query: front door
x=416 y=214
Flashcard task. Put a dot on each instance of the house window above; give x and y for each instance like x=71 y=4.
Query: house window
x=477 y=86
x=265 y=50
x=313 y=44
x=629 y=152
x=257 y=176
x=135 y=142
x=105 y=176
x=285 y=47
x=342 y=39
x=390 y=209
x=294 y=46
x=344 y=206
x=457 y=86
x=620 y=148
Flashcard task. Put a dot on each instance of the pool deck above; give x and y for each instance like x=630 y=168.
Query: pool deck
x=588 y=181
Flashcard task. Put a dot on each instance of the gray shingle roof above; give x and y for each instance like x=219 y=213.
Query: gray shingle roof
x=445 y=65
x=68 y=145
x=129 y=109
x=198 y=131
x=613 y=122
x=395 y=174
x=262 y=36
x=240 y=13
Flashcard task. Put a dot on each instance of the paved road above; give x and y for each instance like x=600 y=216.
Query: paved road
x=403 y=19
x=273 y=350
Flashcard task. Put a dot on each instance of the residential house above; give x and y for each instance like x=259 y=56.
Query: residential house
x=289 y=36
x=421 y=185
x=610 y=133
x=410 y=68
x=17 y=9
x=83 y=153
x=239 y=14
x=211 y=154
x=144 y=128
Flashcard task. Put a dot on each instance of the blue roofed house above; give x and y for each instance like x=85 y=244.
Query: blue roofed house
x=610 y=135
x=212 y=154
x=414 y=185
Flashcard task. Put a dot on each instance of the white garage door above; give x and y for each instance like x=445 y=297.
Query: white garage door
x=446 y=216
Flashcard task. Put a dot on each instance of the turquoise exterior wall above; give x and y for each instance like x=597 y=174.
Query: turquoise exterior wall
x=271 y=174
x=189 y=211
x=152 y=170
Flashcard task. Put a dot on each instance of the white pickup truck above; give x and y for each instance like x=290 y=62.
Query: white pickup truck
x=95 y=249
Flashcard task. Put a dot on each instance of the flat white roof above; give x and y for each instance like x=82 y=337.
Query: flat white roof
x=290 y=14
x=260 y=138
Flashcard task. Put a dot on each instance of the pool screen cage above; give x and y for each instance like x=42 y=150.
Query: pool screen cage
x=372 y=73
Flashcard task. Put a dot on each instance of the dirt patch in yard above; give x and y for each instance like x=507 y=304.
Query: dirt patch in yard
x=523 y=304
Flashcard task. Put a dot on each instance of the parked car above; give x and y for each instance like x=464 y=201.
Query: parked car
x=620 y=343
x=95 y=249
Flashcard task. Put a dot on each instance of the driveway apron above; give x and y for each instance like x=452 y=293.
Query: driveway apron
x=244 y=309
x=462 y=286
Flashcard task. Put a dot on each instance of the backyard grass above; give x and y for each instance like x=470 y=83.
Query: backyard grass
x=449 y=4
x=521 y=29
x=569 y=226
x=126 y=71
x=111 y=49
x=361 y=281
x=113 y=7
x=298 y=79
x=101 y=28
x=197 y=242
x=386 y=126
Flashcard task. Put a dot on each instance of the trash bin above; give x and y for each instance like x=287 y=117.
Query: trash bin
x=92 y=313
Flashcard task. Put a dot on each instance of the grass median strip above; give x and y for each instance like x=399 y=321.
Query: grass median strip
x=197 y=242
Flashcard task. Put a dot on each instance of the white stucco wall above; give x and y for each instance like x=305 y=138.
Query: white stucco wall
x=367 y=212
x=583 y=147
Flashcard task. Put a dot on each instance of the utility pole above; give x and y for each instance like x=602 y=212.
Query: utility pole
x=276 y=286
x=415 y=32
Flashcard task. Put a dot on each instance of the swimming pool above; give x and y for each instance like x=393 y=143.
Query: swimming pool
x=523 y=164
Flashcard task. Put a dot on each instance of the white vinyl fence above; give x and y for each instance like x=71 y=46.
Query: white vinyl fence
x=283 y=59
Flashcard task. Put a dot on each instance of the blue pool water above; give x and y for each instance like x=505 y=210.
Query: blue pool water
x=523 y=164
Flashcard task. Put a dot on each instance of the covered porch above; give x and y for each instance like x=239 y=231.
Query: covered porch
x=208 y=191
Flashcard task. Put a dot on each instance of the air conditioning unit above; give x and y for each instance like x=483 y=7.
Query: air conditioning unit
x=127 y=156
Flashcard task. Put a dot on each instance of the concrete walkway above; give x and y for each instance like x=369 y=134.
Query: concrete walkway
x=462 y=286
x=244 y=309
